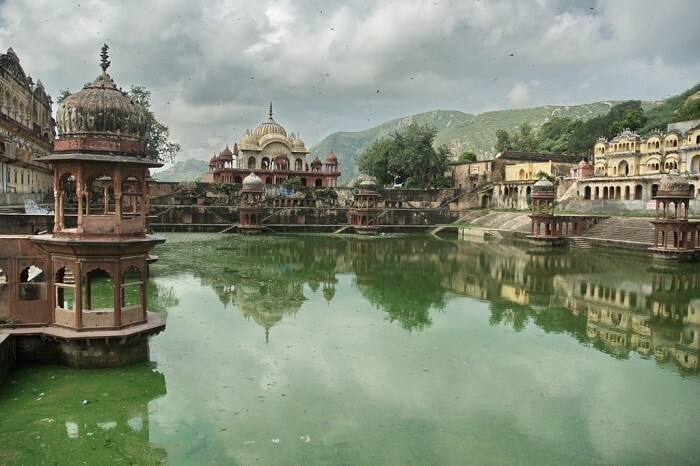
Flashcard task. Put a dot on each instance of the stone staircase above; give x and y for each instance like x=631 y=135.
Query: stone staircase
x=580 y=243
x=513 y=221
x=637 y=230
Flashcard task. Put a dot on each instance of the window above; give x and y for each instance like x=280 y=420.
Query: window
x=32 y=284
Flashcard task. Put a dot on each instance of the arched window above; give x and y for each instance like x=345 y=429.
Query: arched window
x=251 y=162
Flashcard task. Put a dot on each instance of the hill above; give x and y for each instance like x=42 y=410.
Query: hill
x=183 y=170
x=459 y=131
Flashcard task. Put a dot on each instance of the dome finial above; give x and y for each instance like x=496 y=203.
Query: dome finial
x=270 y=110
x=105 y=58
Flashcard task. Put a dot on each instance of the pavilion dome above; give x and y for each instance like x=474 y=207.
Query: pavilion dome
x=269 y=127
x=543 y=186
x=673 y=184
x=101 y=110
x=252 y=182
x=226 y=154
x=331 y=158
x=368 y=184
x=583 y=164
x=297 y=143
x=248 y=140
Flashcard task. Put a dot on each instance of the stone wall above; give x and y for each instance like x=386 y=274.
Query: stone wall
x=25 y=224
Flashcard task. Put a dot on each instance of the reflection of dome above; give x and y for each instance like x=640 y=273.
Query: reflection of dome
x=269 y=127
x=252 y=182
x=101 y=109
x=674 y=184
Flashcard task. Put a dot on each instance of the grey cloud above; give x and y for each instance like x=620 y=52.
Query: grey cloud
x=344 y=66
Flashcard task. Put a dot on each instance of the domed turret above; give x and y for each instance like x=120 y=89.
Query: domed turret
x=673 y=185
x=252 y=182
x=101 y=110
x=269 y=127
x=543 y=186
x=331 y=158
x=226 y=154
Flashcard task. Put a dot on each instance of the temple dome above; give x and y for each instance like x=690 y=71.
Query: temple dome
x=269 y=127
x=331 y=158
x=101 y=110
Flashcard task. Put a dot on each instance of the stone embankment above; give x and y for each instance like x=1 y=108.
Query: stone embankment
x=634 y=233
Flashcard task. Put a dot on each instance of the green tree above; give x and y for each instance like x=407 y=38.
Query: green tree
x=409 y=155
x=503 y=141
x=524 y=138
x=157 y=137
x=467 y=156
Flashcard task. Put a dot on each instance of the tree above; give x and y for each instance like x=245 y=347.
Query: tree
x=503 y=142
x=524 y=138
x=467 y=156
x=158 y=145
x=409 y=155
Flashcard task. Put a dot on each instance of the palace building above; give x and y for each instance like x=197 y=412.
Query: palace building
x=630 y=166
x=274 y=157
x=26 y=130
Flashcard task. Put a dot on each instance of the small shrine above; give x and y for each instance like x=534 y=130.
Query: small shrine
x=675 y=237
x=82 y=289
x=546 y=227
x=365 y=210
x=251 y=205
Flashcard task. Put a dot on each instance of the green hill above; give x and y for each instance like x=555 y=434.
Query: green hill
x=459 y=131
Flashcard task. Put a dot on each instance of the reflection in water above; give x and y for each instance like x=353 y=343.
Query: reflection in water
x=73 y=416
x=617 y=304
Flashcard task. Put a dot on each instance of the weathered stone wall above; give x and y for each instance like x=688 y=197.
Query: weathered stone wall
x=83 y=353
x=25 y=224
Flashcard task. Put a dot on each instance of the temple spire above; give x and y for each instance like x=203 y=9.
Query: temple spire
x=105 y=58
x=270 y=110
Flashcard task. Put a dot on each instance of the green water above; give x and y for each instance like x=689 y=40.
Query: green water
x=307 y=350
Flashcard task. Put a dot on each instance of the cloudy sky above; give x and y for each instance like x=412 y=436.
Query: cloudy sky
x=214 y=66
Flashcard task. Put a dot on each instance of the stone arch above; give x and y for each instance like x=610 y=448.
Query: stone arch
x=264 y=163
x=587 y=192
x=251 y=162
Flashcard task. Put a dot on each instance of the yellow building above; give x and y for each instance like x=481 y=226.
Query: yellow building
x=26 y=131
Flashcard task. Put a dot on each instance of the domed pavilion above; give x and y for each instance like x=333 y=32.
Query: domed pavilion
x=274 y=157
x=675 y=237
x=96 y=269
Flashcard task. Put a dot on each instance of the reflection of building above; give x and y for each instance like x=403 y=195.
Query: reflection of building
x=26 y=130
x=90 y=274
x=273 y=156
